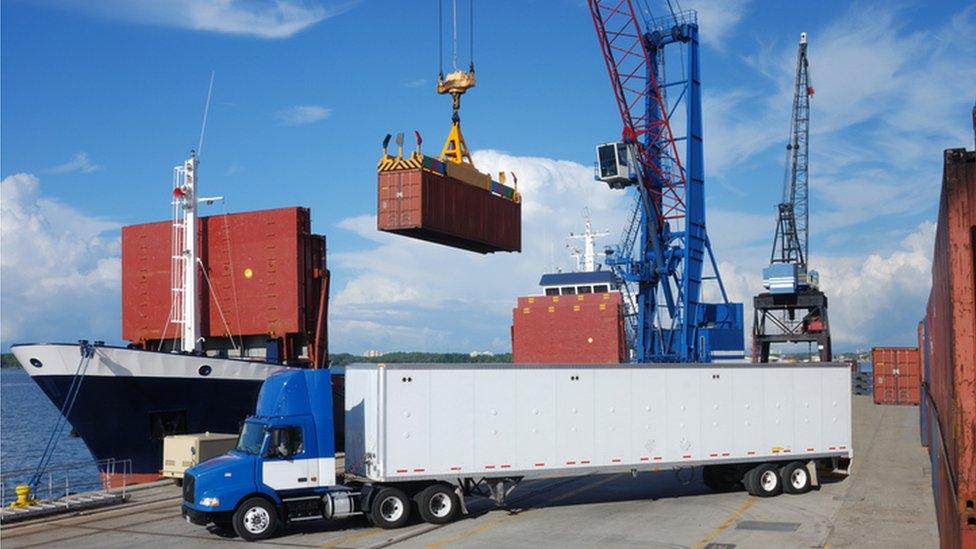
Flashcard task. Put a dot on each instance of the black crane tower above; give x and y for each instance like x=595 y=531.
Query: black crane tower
x=794 y=310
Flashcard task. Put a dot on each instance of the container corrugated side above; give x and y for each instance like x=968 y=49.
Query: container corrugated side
x=440 y=209
x=951 y=346
x=924 y=420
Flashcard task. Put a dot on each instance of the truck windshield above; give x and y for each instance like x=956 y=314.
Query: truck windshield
x=252 y=436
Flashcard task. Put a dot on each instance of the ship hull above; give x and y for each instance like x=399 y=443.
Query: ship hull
x=129 y=399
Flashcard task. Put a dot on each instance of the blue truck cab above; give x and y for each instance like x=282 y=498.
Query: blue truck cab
x=283 y=464
x=283 y=470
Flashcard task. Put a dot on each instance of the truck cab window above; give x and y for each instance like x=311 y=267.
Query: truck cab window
x=251 y=438
x=285 y=442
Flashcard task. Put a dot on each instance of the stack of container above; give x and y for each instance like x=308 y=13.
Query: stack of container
x=949 y=352
x=896 y=375
x=569 y=329
x=263 y=284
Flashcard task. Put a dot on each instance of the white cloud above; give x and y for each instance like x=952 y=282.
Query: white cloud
x=60 y=271
x=300 y=115
x=406 y=294
x=78 y=163
x=261 y=18
x=879 y=299
x=717 y=19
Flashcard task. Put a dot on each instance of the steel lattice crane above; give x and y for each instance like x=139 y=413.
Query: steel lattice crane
x=794 y=310
x=662 y=255
x=791 y=241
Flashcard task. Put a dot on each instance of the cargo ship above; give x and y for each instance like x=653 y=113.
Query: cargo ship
x=578 y=316
x=211 y=307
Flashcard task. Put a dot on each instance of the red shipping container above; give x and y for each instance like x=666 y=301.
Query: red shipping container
x=261 y=267
x=441 y=209
x=951 y=348
x=896 y=375
x=581 y=328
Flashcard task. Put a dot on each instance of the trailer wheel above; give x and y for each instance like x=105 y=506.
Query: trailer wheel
x=438 y=504
x=795 y=478
x=255 y=519
x=390 y=508
x=763 y=481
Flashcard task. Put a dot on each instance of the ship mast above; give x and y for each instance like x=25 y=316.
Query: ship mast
x=588 y=237
x=185 y=293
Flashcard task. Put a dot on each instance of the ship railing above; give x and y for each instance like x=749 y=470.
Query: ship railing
x=59 y=485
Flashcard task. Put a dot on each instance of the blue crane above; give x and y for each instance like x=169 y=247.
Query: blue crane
x=660 y=261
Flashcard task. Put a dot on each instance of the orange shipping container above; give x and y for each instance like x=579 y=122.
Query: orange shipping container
x=439 y=208
x=896 y=375
x=951 y=353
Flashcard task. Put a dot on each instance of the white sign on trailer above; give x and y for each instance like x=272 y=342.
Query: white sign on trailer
x=412 y=421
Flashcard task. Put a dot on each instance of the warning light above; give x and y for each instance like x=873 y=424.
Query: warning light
x=178 y=192
x=248 y=273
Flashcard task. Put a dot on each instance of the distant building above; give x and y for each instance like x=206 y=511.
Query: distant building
x=372 y=353
x=474 y=354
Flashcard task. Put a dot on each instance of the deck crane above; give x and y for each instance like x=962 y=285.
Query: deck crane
x=665 y=245
x=794 y=310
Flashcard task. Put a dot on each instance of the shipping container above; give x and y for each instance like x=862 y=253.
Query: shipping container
x=580 y=328
x=951 y=351
x=409 y=422
x=896 y=375
x=263 y=275
x=438 y=208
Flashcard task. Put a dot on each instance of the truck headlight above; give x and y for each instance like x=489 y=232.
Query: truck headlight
x=210 y=502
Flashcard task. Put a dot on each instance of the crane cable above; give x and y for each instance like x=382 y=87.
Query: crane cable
x=454 y=36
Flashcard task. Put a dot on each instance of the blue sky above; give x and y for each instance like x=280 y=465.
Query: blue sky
x=100 y=100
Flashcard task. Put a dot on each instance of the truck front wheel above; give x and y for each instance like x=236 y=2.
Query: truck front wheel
x=390 y=508
x=255 y=519
x=438 y=504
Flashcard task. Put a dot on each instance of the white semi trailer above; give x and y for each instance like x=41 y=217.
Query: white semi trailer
x=426 y=435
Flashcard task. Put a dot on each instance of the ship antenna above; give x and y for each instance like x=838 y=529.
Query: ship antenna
x=206 y=111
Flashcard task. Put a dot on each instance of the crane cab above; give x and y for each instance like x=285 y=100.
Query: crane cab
x=612 y=165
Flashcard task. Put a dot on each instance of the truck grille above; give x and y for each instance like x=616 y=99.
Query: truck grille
x=188 y=482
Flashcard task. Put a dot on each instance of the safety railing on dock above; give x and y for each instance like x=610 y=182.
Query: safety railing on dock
x=65 y=487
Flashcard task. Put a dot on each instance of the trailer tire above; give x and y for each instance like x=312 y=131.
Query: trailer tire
x=763 y=481
x=438 y=503
x=390 y=508
x=795 y=478
x=255 y=519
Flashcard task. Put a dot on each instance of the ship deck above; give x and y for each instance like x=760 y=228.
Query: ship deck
x=886 y=502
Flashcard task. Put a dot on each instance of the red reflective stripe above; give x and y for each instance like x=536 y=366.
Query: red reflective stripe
x=506 y=466
x=686 y=456
x=455 y=468
x=401 y=470
x=809 y=449
x=540 y=464
x=419 y=470
x=725 y=454
x=658 y=458
x=645 y=459
x=750 y=453
x=615 y=460
x=713 y=455
x=489 y=466
x=584 y=462
x=570 y=463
